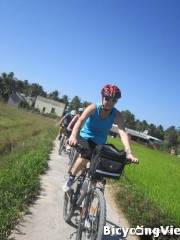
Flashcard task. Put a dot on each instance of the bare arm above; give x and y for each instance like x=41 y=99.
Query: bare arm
x=72 y=123
x=62 y=120
x=124 y=136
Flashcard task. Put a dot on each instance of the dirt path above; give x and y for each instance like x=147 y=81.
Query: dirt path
x=45 y=218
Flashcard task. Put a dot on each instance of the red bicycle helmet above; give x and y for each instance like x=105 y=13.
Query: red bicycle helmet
x=111 y=91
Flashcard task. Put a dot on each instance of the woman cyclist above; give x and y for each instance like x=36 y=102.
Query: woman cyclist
x=93 y=127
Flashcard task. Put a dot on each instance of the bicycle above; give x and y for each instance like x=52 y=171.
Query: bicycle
x=63 y=140
x=73 y=154
x=86 y=197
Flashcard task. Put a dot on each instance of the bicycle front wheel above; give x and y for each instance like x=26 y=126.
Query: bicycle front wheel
x=93 y=217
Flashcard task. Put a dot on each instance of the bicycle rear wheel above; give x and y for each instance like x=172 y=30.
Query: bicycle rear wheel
x=62 y=142
x=93 y=217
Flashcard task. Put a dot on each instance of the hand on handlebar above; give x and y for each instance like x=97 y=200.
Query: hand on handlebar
x=131 y=158
x=72 y=141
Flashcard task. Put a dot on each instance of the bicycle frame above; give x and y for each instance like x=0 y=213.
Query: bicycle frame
x=87 y=197
x=90 y=180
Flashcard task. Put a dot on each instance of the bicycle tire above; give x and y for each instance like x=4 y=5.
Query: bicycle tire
x=72 y=161
x=101 y=220
x=67 y=213
x=71 y=154
x=61 y=145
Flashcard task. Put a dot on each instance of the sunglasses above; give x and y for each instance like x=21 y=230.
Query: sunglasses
x=109 y=98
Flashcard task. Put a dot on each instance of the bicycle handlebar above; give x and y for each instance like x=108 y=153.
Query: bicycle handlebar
x=82 y=149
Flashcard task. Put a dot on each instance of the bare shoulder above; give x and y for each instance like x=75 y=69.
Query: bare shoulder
x=119 y=120
x=118 y=114
x=91 y=107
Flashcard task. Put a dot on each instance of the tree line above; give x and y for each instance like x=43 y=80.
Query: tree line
x=170 y=136
x=10 y=84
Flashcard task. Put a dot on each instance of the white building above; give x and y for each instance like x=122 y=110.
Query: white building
x=46 y=105
x=138 y=136
x=15 y=99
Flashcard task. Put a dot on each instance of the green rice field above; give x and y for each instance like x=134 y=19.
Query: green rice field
x=156 y=179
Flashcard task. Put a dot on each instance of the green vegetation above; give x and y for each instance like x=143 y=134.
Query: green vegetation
x=10 y=84
x=25 y=142
x=149 y=192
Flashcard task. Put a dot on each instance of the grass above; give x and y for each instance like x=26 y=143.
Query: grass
x=27 y=140
x=150 y=191
x=17 y=126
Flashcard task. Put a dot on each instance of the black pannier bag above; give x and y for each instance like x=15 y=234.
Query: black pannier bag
x=110 y=162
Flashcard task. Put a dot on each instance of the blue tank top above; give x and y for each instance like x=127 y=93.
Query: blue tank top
x=97 y=128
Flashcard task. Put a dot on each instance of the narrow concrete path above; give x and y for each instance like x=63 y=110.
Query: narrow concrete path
x=45 y=218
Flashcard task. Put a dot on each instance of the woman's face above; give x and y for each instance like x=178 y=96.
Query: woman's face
x=109 y=102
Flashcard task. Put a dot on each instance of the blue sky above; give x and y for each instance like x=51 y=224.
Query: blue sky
x=77 y=46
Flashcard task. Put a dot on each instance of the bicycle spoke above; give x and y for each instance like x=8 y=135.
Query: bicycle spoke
x=92 y=218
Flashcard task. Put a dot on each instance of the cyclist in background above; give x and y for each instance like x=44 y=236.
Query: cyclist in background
x=93 y=127
x=64 y=122
x=71 y=125
x=74 y=120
